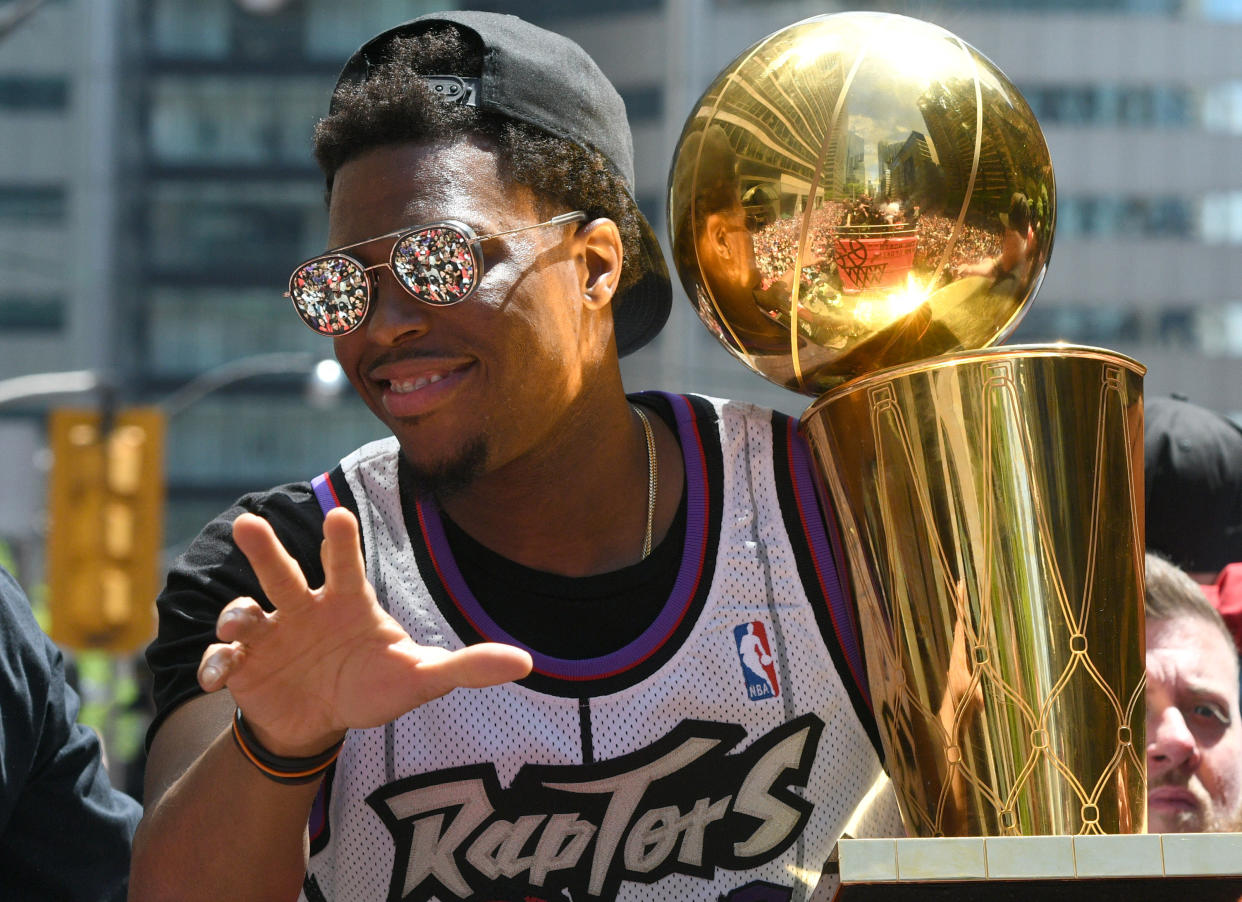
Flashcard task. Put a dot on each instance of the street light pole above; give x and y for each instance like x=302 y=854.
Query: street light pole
x=41 y=385
x=235 y=371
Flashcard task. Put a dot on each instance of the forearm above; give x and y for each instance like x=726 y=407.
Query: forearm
x=222 y=831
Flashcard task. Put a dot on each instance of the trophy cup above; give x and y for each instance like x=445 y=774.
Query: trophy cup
x=861 y=207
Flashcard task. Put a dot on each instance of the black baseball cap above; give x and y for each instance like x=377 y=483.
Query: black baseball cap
x=1193 y=462
x=543 y=79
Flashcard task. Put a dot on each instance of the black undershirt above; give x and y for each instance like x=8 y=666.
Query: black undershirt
x=565 y=616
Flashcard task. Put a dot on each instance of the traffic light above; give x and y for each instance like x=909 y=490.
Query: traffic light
x=106 y=511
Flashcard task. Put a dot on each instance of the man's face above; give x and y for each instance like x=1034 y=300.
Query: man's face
x=469 y=388
x=1194 y=737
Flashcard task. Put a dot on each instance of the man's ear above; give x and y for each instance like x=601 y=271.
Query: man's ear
x=601 y=256
x=716 y=228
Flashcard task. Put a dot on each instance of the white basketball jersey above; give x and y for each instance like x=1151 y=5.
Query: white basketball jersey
x=718 y=756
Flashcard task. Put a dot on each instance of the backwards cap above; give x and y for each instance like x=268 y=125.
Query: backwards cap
x=543 y=79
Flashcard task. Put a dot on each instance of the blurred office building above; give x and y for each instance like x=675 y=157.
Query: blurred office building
x=156 y=188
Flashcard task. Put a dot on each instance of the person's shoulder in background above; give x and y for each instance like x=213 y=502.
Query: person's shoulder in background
x=65 y=832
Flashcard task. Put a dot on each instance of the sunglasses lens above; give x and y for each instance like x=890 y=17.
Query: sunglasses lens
x=330 y=294
x=436 y=265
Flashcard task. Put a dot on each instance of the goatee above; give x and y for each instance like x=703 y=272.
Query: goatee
x=450 y=477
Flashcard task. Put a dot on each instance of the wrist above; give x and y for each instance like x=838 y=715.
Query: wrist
x=287 y=769
x=283 y=747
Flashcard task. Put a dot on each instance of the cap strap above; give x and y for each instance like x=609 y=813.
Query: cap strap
x=455 y=89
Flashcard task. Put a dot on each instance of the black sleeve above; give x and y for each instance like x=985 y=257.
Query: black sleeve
x=213 y=572
x=64 y=831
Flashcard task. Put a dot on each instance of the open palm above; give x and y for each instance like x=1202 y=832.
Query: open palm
x=330 y=659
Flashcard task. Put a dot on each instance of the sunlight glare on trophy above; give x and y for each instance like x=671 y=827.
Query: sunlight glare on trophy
x=870 y=178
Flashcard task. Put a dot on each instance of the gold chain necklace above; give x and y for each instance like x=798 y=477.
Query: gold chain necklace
x=653 y=479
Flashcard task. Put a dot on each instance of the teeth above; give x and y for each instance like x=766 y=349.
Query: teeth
x=403 y=388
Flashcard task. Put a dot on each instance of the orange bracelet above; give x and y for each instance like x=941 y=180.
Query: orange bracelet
x=290 y=771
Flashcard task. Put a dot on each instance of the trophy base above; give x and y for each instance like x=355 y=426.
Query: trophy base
x=1206 y=867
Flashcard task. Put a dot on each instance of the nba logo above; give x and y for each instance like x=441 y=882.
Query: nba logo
x=758 y=665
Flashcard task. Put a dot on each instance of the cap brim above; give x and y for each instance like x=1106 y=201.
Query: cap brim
x=640 y=312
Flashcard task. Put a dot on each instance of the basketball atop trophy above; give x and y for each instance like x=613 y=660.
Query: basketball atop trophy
x=857 y=191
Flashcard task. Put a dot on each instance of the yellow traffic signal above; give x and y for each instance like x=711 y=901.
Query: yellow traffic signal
x=106 y=511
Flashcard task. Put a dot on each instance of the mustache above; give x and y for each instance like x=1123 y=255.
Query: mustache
x=1177 y=778
x=415 y=354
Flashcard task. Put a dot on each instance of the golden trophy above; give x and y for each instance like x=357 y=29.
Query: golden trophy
x=861 y=208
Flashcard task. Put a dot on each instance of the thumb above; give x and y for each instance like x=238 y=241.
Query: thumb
x=472 y=667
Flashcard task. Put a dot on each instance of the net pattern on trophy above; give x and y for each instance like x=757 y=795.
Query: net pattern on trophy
x=1007 y=576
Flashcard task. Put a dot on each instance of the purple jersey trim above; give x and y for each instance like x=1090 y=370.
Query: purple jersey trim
x=804 y=482
x=321 y=485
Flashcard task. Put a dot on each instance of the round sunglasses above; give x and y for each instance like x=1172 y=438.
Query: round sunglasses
x=439 y=264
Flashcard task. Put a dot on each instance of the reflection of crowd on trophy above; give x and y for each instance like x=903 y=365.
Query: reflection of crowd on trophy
x=973 y=242
x=776 y=243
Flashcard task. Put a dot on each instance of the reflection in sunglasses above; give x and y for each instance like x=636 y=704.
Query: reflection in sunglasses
x=437 y=264
x=330 y=294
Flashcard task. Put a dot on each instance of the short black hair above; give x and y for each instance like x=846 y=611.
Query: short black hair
x=394 y=105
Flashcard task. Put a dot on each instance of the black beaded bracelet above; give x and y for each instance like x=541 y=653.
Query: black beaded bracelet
x=290 y=771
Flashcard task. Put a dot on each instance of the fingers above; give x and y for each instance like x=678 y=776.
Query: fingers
x=344 y=569
x=218 y=663
x=278 y=573
x=473 y=667
x=242 y=620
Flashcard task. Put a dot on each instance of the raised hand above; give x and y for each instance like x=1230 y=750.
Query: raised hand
x=329 y=659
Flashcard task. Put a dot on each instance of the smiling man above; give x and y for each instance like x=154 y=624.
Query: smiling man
x=1194 y=731
x=596 y=567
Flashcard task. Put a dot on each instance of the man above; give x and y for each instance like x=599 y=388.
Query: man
x=611 y=545
x=64 y=831
x=1194 y=730
x=1193 y=474
x=1009 y=269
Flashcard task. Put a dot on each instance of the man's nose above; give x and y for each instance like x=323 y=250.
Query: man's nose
x=1170 y=743
x=395 y=313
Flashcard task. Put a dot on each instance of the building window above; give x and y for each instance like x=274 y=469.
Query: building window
x=192 y=329
x=1130 y=106
x=190 y=29
x=26 y=313
x=226 y=233
x=215 y=119
x=33 y=93
x=1086 y=216
x=1214 y=329
x=29 y=204
x=334 y=30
